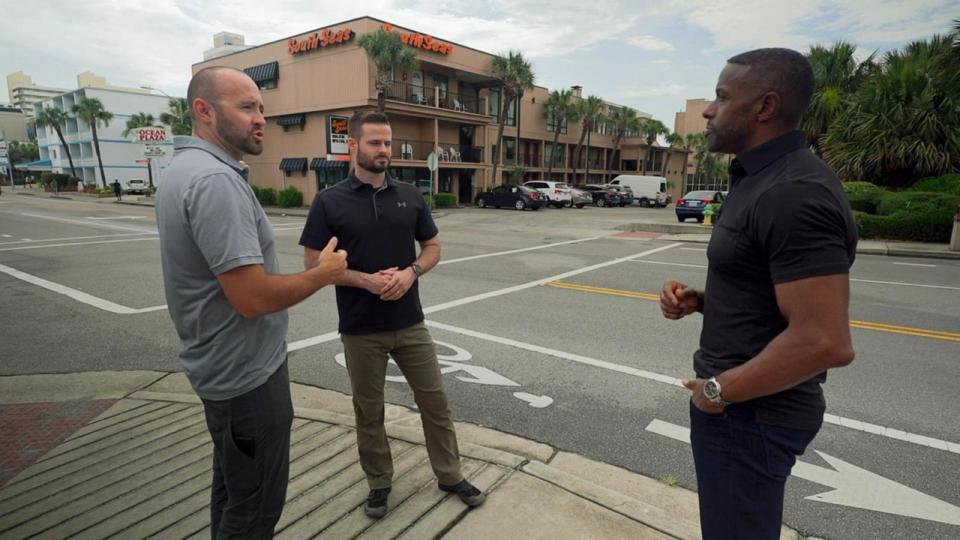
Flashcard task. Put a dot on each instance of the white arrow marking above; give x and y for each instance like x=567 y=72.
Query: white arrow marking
x=116 y=217
x=852 y=485
x=537 y=402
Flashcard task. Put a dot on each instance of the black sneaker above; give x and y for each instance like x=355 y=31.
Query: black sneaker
x=470 y=495
x=376 y=505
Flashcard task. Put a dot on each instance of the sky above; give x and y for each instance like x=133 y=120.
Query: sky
x=649 y=55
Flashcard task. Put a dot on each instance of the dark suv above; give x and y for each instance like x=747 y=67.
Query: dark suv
x=602 y=195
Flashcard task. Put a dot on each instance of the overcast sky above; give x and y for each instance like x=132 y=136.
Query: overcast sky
x=650 y=55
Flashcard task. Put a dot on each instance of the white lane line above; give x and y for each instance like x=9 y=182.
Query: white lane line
x=694 y=249
x=841 y=421
x=310 y=342
x=79 y=296
x=26 y=240
x=74 y=238
x=851 y=279
x=667 y=379
x=498 y=253
x=117 y=217
x=535 y=283
x=70 y=244
x=6 y=235
x=916 y=264
x=87 y=223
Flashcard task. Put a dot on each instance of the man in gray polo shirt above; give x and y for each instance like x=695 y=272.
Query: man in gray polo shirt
x=228 y=302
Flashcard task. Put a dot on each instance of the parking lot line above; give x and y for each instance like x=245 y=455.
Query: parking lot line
x=498 y=253
x=72 y=238
x=69 y=244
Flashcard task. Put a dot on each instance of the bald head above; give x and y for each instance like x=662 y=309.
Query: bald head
x=207 y=84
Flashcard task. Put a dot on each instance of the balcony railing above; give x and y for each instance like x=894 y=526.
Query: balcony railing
x=426 y=95
x=419 y=150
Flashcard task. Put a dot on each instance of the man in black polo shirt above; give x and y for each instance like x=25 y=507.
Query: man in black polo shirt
x=776 y=298
x=376 y=220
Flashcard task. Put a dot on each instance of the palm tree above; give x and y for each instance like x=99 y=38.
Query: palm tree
x=178 y=117
x=650 y=129
x=91 y=111
x=903 y=122
x=590 y=112
x=698 y=143
x=622 y=120
x=138 y=120
x=390 y=57
x=560 y=109
x=837 y=75
x=515 y=76
x=56 y=118
x=675 y=139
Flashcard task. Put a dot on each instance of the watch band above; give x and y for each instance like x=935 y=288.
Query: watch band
x=417 y=270
x=715 y=395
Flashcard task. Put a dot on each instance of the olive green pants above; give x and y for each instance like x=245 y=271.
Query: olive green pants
x=415 y=353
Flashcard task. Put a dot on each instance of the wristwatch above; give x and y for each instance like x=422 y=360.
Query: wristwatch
x=712 y=391
x=417 y=270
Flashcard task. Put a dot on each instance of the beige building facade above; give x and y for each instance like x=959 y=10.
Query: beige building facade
x=312 y=82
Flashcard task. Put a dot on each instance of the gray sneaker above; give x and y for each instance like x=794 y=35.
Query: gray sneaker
x=470 y=495
x=376 y=505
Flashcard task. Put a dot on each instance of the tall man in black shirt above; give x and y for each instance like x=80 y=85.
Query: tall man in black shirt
x=376 y=220
x=776 y=298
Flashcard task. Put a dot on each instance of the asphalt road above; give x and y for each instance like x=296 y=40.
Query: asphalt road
x=548 y=329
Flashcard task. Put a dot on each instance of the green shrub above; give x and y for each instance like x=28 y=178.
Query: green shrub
x=267 y=196
x=863 y=196
x=256 y=191
x=444 y=200
x=944 y=184
x=289 y=197
x=61 y=179
x=922 y=224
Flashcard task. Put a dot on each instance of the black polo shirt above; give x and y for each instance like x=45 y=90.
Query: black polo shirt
x=785 y=218
x=378 y=229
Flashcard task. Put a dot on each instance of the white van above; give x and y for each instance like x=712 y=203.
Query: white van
x=647 y=190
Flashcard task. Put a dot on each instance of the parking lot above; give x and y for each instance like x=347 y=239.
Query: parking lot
x=548 y=327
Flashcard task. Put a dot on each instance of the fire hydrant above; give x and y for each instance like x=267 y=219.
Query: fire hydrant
x=955 y=236
x=708 y=213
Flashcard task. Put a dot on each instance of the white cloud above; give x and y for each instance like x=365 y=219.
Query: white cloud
x=645 y=90
x=650 y=43
x=663 y=61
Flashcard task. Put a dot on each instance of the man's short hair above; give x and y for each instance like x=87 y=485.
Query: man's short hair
x=784 y=71
x=359 y=118
x=204 y=85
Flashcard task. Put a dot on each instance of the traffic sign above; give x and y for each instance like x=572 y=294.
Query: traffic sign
x=432 y=161
x=153 y=150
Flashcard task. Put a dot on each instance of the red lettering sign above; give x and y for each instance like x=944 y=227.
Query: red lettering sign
x=420 y=41
x=318 y=40
x=151 y=135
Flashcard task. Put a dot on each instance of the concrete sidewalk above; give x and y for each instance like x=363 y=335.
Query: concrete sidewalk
x=132 y=458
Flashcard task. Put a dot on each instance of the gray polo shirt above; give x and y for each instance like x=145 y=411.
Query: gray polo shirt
x=210 y=223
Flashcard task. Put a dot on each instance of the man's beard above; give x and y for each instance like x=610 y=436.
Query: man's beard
x=371 y=164
x=244 y=143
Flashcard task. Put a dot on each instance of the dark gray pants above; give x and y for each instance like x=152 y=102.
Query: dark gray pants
x=251 y=459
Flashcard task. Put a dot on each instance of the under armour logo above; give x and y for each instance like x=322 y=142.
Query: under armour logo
x=401 y=203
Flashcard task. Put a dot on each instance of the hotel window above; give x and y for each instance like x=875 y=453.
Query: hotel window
x=548 y=151
x=265 y=75
x=292 y=165
x=495 y=109
x=552 y=125
x=291 y=120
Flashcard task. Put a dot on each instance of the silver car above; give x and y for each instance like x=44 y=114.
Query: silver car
x=580 y=198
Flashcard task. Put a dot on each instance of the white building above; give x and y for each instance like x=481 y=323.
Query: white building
x=123 y=159
x=24 y=93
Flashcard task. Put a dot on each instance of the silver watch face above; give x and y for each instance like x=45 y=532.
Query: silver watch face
x=710 y=389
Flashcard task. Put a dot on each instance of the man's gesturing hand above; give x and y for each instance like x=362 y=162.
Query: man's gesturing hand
x=332 y=262
x=677 y=300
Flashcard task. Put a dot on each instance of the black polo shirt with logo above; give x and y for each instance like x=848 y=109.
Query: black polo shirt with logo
x=785 y=218
x=379 y=229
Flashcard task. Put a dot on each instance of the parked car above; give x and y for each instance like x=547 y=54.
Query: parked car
x=136 y=185
x=602 y=195
x=624 y=192
x=518 y=197
x=693 y=203
x=557 y=193
x=647 y=190
x=580 y=198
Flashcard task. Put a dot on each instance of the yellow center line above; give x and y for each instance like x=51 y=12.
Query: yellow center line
x=862 y=325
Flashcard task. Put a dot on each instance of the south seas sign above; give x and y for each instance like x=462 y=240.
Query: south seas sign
x=421 y=41
x=319 y=40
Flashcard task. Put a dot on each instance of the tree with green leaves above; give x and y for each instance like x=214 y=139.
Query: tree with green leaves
x=23 y=151
x=837 y=75
x=622 y=120
x=560 y=110
x=675 y=139
x=178 y=117
x=903 y=121
x=138 y=120
x=590 y=112
x=56 y=118
x=91 y=111
x=650 y=129
x=515 y=75
x=390 y=57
